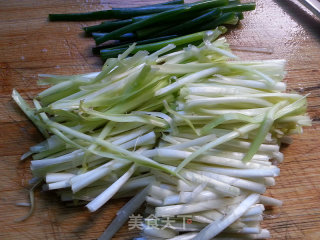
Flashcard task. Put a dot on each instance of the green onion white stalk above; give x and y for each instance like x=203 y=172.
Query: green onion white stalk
x=196 y=128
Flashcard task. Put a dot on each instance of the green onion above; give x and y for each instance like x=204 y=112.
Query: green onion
x=222 y=19
x=188 y=26
x=29 y=112
x=200 y=131
x=124 y=213
x=239 y=7
x=151 y=47
x=97 y=50
x=107 y=26
x=125 y=37
x=114 y=13
x=167 y=16
x=151 y=31
x=216 y=227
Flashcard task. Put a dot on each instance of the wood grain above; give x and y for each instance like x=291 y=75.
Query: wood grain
x=29 y=45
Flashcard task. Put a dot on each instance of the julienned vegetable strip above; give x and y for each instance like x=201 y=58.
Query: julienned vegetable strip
x=125 y=45
x=187 y=26
x=128 y=37
x=215 y=228
x=124 y=213
x=31 y=197
x=201 y=131
x=222 y=19
x=121 y=13
x=149 y=22
x=167 y=16
x=241 y=7
x=151 y=47
x=29 y=112
x=263 y=131
x=115 y=13
x=234 y=134
x=109 y=192
x=107 y=26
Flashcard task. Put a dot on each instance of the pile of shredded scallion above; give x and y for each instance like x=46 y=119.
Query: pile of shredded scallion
x=192 y=132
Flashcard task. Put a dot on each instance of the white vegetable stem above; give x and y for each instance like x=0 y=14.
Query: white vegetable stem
x=124 y=213
x=109 y=192
x=182 y=81
x=243 y=130
x=60 y=184
x=193 y=207
x=220 y=186
x=216 y=227
x=202 y=131
x=81 y=181
x=56 y=177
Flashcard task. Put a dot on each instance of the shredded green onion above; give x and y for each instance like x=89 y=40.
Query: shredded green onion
x=201 y=131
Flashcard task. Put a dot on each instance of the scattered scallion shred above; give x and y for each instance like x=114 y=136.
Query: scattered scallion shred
x=31 y=204
x=153 y=26
x=194 y=131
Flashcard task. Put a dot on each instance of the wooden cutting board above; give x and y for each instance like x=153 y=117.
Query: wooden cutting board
x=29 y=45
